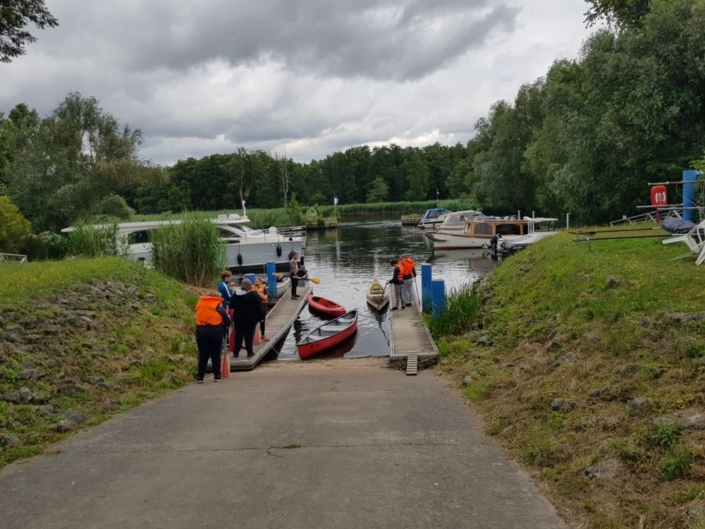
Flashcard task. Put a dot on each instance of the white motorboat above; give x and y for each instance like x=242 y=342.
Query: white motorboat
x=245 y=248
x=455 y=221
x=483 y=231
x=432 y=218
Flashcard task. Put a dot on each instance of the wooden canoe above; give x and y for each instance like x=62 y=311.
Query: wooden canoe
x=325 y=306
x=377 y=295
x=327 y=335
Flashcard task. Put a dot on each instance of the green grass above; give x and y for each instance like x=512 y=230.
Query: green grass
x=460 y=315
x=21 y=282
x=554 y=299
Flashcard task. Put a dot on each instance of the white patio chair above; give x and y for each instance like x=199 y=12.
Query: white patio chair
x=695 y=239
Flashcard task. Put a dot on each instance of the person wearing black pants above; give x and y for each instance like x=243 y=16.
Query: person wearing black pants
x=211 y=321
x=247 y=313
x=294 y=269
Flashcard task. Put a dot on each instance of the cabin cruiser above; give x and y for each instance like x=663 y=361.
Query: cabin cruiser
x=482 y=232
x=433 y=217
x=246 y=249
x=455 y=221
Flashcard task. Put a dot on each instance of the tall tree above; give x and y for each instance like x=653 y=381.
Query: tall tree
x=15 y=16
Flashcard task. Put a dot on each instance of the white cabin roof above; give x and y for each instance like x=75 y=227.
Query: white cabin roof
x=131 y=227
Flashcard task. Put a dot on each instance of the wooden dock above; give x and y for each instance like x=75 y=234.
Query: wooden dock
x=279 y=321
x=411 y=220
x=410 y=340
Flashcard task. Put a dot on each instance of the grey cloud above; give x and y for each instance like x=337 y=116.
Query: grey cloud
x=380 y=39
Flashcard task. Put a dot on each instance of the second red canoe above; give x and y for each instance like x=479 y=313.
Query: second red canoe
x=325 y=306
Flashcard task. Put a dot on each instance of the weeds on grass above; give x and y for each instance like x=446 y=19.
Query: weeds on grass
x=665 y=435
x=676 y=464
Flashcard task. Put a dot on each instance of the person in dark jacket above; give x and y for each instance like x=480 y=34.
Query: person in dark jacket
x=398 y=282
x=247 y=313
x=211 y=322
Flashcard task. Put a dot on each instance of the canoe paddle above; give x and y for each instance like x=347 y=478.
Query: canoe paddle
x=315 y=280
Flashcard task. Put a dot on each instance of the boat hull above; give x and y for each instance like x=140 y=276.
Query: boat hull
x=325 y=306
x=378 y=300
x=328 y=335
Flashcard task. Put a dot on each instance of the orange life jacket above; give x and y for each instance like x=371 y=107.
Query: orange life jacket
x=205 y=311
x=262 y=289
x=408 y=266
x=400 y=267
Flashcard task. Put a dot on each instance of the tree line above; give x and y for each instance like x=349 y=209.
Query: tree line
x=585 y=138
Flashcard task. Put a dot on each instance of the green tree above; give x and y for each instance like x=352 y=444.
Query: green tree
x=15 y=16
x=417 y=175
x=621 y=13
x=13 y=226
x=378 y=191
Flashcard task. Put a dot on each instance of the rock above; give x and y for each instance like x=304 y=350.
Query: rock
x=485 y=340
x=25 y=395
x=670 y=420
x=613 y=281
x=47 y=408
x=466 y=381
x=30 y=373
x=694 y=421
x=12 y=398
x=71 y=390
x=95 y=380
x=568 y=358
x=631 y=370
x=603 y=469
x=553 y=345
x=700 y=361
x=680 y=318
x=584 y=278
x=640 y=406
x=75 y=417
x=646 y=322
x=659 y=373
x=11 y=337
x=562 y=404
x=598 y=393
x=9 y=441
x=690 y=419
x=64 y=426
x=134 y=291
x=696 y=509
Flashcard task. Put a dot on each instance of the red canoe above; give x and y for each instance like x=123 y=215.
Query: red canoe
x=327 y=335
x=325 y=306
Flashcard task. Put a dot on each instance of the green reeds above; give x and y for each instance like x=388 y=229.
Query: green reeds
x=191 y=251
x=96 y=241
x=462 y=312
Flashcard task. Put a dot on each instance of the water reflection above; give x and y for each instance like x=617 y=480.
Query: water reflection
x=349 y=258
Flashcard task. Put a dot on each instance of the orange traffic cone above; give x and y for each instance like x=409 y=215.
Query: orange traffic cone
x=225 y=366
x=256 y=339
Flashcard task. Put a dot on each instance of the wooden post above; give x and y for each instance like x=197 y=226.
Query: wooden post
x=426 y=277
x=272 y=279
x=439 y=296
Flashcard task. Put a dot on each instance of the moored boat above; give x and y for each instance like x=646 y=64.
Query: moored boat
x=283 y=286
x=327 y=335
x=377 y=295
x=482 y=231
x=325 y=306
x=433 y=217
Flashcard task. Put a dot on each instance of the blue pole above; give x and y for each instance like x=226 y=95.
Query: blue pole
x=251 y=277
x=439 y=296
x=272 y=279
x=426 y=277
x=689 y=195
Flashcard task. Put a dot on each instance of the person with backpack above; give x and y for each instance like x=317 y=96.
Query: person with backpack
x=409 y=280
x=247 y=313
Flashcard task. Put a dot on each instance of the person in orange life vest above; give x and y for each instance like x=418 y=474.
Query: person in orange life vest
x=211 y=322
x=261 y=290
x=409 y=278
x=398 y=282
x=247 y=309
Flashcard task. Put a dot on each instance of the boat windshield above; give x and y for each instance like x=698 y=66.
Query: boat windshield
x=482 y=229
x=509 y=229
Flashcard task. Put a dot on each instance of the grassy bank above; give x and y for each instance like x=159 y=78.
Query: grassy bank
x=264 y=218
x=588 y=365
x=83 y=340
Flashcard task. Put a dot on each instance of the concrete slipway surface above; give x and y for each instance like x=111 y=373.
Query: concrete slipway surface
x=337 y=444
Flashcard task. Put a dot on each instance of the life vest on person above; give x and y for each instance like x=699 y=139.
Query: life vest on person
x=261 y=289
x=400 y=268
x=206 y=313
x=408 y=266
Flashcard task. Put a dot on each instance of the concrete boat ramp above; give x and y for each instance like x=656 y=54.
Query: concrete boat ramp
x=327 y=444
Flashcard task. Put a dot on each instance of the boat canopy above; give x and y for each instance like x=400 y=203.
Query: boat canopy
x=434 y=213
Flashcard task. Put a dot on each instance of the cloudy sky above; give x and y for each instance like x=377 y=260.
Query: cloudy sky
x=307 y=77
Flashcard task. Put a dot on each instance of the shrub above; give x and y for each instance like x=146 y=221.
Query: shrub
x=44 y=247
x=461 y=313
x=14 y=227
x=676 y=463
x=114 y=206
x=96 y=241
x=191 y=251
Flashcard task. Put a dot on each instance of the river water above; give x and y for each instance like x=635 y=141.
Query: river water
x=349 y=258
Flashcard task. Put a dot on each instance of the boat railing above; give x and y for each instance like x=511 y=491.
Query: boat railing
x=271 y=235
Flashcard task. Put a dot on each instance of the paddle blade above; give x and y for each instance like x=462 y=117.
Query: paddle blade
x=316 y=280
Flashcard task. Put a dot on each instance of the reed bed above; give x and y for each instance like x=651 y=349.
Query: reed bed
x=191 y=251
x=96 y=241
x=462 y=312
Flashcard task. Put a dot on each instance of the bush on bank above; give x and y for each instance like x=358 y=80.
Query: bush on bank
x=587 y=362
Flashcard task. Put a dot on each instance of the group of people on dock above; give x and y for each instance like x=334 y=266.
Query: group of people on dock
x=244 y=308
x=403 y=279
